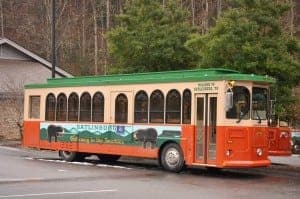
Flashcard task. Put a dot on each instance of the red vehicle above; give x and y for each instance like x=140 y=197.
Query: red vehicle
x=212 y=117
x=280 y=139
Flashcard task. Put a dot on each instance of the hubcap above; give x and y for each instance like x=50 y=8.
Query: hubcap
x=172 y=157
x=66 y=153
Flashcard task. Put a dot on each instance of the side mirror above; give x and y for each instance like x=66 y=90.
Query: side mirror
x=229 y=100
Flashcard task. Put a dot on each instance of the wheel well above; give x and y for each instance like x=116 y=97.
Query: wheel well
x=163 y=146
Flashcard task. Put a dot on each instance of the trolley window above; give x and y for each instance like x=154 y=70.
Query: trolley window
x=50 y=107
x=241 y=103
x=34 y=112
x=141 y=107
x=186 y=107
x=157 y=107
x=61 y=107
x=121 y=109
x=98 y=107
x=73 y=106
x=173 y=107
x=85 y=107
x=259 y=103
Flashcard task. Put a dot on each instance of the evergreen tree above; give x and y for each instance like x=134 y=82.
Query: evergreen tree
x=249 y=38
x=151 y=37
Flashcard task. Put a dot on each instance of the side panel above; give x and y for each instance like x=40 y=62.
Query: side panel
x=121 y=139
x=236 y=147
x=31 y=135
x=244 y=147
x=279 y=141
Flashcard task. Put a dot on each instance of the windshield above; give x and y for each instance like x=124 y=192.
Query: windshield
x=259 y=103
x=241 y=103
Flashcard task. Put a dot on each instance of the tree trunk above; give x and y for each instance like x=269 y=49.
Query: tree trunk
x=83 y=29
x=107 y=14
x=2 y=21
x=193 y=12
x=219 y=8
x=292 y=18
x=94 y=5
x=206 y=16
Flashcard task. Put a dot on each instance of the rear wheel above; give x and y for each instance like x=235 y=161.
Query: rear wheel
x=108 y=158
x=172 y=158
x=69 y=156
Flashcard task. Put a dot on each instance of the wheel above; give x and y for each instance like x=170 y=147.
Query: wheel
x=172 y=158
x=108 y=158
x=68 y=156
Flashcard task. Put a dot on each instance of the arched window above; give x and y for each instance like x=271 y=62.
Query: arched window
x=73 y=107
x=157 y=107
x=61 y=107
x=98 y=107
x=121 y=109
x=50 y=107
x=186 y=106
x=141 y=107
x=173 y=107
x=85 y=107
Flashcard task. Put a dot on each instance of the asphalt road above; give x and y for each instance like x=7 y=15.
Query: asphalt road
x=40 y=174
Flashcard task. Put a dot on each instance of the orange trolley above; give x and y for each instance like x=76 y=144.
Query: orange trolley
x=211 y=117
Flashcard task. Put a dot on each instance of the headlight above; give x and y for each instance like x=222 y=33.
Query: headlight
x=284 y=134
x=259 y=152
x=228 y=152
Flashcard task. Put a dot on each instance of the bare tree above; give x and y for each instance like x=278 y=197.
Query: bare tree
x=94 y=7
x=219 y=8
x=13 y=102
x=193 y=11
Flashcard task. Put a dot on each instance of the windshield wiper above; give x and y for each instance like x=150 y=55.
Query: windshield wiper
x=258 y=117
x=241 y=115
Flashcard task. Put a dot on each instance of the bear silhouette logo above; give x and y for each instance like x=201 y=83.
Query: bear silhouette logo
x=146 y=136
x=54 y=131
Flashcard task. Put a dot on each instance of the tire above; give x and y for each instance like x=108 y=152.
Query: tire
x=68 y=156
x=108 y=158
x=172 y=158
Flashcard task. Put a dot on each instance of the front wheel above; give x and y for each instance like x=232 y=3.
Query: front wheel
x=172 y=158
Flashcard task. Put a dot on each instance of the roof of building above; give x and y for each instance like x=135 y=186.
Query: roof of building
x=213 y=74
x=33 y=56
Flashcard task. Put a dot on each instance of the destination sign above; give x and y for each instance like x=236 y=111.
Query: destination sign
x=206 y=86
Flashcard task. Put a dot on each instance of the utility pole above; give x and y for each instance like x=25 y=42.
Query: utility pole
x=53 y=39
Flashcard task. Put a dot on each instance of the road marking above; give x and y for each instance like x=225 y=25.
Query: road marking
x=81 y=163
x=58 y=193
x=9 y=148
x=8 y=180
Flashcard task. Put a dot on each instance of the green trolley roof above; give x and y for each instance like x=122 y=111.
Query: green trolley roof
x=212 y=74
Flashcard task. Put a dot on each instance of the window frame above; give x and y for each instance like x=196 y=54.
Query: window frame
x=186 y=107
x=34 y=111
x=240 y=105
x=76 y=110
x=172 y=107
x=141 y=116
x=159 y=110
x=121 y=114
x=85 y=114
x=47 y=117
x=61 y=110
x=101 y=105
